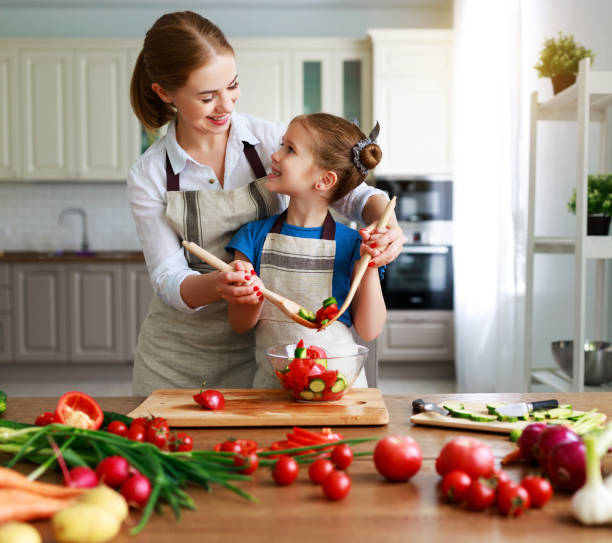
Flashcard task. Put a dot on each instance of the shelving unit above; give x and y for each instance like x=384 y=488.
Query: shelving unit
x=585 y=101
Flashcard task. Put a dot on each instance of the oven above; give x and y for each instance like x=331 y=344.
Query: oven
x=420 y=278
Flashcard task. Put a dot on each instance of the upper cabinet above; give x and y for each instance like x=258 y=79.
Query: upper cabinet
x=412 y=77
x=9 y=127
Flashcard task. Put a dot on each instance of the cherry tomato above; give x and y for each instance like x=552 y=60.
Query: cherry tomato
x=466 y=454
x=118 y=428
x=539 y=489
x=342 y=456
x=319 y=470
x=250 y=461
x=336 y=485
x=140 y=420
x=397 y=458
x=285 y=471
x=157 y=432
x=247 y=446
x=231 y=447
x=480 y=495
x=79 y=410
x=210 y=399
x=113 y=471
x=180 y=442
x=136 y=432
x=500 y=478
x=45 y=418
x=512 y=500
x=455 y=484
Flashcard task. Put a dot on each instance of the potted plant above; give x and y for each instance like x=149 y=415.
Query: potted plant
x=599 y=204
x=559 y=60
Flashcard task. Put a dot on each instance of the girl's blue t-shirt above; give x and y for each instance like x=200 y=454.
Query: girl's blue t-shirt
x=249 y=240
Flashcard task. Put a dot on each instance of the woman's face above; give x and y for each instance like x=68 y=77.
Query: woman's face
x=207 y=99
x=294 y=171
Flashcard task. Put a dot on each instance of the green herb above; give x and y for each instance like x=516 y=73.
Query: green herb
x=599 y=196
x=2 y=401
x=561 y=56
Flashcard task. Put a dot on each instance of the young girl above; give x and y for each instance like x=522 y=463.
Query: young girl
x=302 y=253
x=200 y=183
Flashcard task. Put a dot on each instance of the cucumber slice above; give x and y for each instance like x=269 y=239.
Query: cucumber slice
x=451 y=406
x=300 y=352
x=324 y=321
x=461 y=413
x=340 y=384
x=492 y=407
x=481 y=417
x=306 y=314
x=329 y=301
x=538 y=416
x=317 y=385
x=307 y=394
x=559 y=413
x=507 y=418
x=322 y=361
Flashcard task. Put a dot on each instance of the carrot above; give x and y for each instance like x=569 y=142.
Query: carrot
x=9 y=478
x=512 y=457
x=20 y=505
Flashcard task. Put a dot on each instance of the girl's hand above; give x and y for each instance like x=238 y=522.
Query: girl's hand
x=384 y=245
x=241 y=286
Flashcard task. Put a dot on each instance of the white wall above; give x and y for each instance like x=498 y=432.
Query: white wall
x=589 y=22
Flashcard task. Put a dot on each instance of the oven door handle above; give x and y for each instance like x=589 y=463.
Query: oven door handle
x=425 y=249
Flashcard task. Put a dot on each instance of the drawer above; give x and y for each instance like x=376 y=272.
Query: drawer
x=4 y=275
x=5 y=299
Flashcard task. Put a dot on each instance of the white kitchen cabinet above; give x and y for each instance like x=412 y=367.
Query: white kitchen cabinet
x=101 y=116
x=40 y=312
x=416 y=336
x=95 y=324
x=10 y=129
x=47 y=107
x=139 y=293
x=412 y=75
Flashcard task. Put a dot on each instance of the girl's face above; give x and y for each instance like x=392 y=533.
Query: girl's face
x=207 y=99
x=294 y=171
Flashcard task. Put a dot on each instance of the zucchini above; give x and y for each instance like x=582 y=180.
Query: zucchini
x=2 y=401
x=340 y=384
x=329 y=301
x=317 y=385
x=307 y=394
x=306 y=314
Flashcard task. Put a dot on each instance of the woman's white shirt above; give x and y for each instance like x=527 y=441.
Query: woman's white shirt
x=146 y=187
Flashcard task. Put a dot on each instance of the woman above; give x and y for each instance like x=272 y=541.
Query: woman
x=201 y=182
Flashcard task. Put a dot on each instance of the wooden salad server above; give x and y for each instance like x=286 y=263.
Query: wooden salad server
x=362 y=265
x=287 y=306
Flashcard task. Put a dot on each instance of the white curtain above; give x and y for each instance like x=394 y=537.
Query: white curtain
x=490 y=179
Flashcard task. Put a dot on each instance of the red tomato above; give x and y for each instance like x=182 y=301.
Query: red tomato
x=45 y=418
x=79 y=410
x=210 y=399
x=512 y=500
x=285 y=471
x=336 y=485
x=316 y=352
x=118 y=428
x=466 y=454
x=397 y=458
x=480 y=495
x=342 y=456
x=455 y=485
x=136 y=432
x=157 y=432
x=231 y=446
x=180 y=442
x=250 y=461
x=539 y=489
x=319 y=470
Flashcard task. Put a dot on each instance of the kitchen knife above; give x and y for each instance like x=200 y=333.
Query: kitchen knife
x=421 y=406
x=524 y=408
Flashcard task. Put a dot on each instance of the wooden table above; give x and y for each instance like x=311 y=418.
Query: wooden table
x=374 y=510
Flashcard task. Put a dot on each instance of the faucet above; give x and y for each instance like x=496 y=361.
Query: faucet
x=81 y=212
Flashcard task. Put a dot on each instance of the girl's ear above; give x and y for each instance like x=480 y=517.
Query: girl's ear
x=327 y=181
x=161 y=93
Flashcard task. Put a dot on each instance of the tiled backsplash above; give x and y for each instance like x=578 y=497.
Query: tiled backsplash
x=29 y=215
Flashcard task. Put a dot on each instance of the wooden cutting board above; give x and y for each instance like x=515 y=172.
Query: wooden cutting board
x=436 y=419
x=265 y=407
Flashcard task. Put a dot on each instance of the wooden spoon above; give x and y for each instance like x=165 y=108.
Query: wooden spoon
x=362 y=265
x=287 y=306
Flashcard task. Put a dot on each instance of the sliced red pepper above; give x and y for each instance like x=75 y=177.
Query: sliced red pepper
x=79 y=410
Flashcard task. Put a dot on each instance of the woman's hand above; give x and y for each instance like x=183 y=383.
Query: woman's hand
x=384 y=245
x=241 y=286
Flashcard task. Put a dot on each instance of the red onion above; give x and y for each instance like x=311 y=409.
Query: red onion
x=549 y=438
x=566 y=465
x=528 y=439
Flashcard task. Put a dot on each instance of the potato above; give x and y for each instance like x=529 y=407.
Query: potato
x=18 y=532
x=85 y=523
x=108 y=498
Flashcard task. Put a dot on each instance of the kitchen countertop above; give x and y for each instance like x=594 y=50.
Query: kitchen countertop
x=374 y=510
x=71 y=256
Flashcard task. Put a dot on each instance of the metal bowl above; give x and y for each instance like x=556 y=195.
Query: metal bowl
x=597 y=360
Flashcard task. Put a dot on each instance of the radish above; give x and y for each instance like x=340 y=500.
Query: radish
x=566 y=465
x=549 y=438
x=136 y=490
x=113 y=471
x=529 y=438
x=82 y=477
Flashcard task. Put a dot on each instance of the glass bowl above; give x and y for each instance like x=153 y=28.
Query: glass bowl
x=317 y=378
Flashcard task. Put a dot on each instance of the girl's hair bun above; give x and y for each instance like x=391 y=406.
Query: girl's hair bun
x=370 y=155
